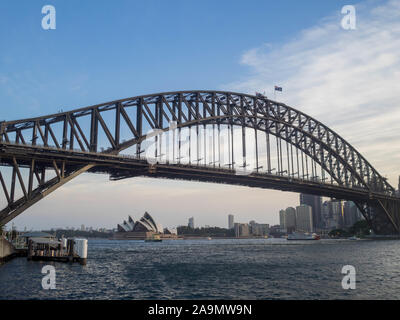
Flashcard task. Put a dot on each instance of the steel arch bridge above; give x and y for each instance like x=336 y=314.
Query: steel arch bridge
x=289 y=151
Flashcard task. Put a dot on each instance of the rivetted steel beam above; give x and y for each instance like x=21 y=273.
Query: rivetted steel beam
x=6 y=216
x=319 y=147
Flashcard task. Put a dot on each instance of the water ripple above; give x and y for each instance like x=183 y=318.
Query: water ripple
x=216 y=269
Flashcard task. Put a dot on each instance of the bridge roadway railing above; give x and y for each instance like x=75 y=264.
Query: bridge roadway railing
x=152 y=160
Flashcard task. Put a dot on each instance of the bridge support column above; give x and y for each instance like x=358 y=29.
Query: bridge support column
x=382 y=215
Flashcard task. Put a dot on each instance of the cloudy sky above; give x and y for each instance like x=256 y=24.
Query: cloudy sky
x=347 y=79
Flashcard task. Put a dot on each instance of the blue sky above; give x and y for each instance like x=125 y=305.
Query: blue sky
x=106 y=50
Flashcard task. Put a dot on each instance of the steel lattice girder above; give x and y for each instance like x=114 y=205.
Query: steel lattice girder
x=190 y=108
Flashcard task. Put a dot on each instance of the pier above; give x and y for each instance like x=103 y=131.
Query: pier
x=64 y=250
x=40 y=246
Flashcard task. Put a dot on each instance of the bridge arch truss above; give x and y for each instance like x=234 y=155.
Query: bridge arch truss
x=291 y=147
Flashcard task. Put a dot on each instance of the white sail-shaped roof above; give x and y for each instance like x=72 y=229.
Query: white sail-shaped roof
x=145 y=224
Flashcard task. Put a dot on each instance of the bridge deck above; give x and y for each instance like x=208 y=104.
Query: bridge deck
x=127 y=166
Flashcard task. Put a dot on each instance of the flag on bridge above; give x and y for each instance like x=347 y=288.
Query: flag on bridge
x=278 y=88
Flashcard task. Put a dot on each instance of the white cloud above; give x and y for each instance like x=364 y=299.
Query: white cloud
x=347 y=79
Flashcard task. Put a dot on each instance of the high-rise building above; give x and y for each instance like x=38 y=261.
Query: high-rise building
x=231 y=221
x=325 y=214
x=82 y=227
x=290 y=219
x=191 y=223
x=242 y=230
x=282 y=219
x=304 y=218
x=351 y=214
x=337 y=213
x=315 y=202
x=258 y=229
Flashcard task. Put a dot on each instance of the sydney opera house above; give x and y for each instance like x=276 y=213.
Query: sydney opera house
x=144 y=228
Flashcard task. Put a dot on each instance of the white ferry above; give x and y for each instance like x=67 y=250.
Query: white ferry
x=303 y=236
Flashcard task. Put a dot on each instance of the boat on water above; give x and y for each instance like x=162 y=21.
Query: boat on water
x=154 y=238
x=303 y=236
x=353 y=238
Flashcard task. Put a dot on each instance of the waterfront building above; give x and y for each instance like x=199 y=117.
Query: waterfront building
x=282 y=219
x=170 y=231
x=304 y=218
x=127 y=225
x=160 y=227
x=315 y=202
x=191 y=223
x=290 y=219
x=351 y=214
x=337 y=213
x=231 y=221
x=331 y=224
x=325 y=214
x=242 y=230
x=276 y=231
x=258 y=229
x=144 y=228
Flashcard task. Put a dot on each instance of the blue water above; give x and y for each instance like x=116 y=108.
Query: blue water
x=214 y=269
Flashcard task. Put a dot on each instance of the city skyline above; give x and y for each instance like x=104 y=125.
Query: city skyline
x=191 y=224
x=316 y=214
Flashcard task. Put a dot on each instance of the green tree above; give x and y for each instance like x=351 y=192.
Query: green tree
x=360 y=228
x=338 y=233
x=205 y=232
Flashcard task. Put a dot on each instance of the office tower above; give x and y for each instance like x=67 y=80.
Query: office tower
x=330 y=213
x=191 y=223
x=290 y=219
x=337 y=213
x=325 y=214
x=304 y=218
x=237 y=229
x=231 y=221
x=242 y=230
x=258 y=229
x=315 y=202
x=282 y=219
x=348 y=216
x=252 y=226
x=351 y=214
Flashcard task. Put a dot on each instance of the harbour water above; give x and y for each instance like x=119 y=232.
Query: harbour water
x=214 y=269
